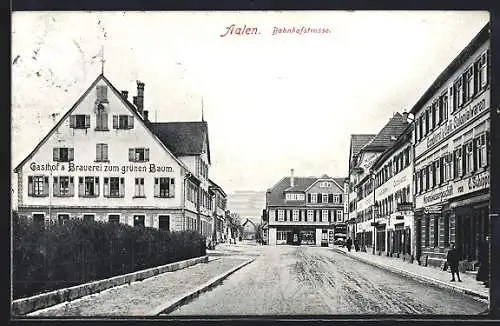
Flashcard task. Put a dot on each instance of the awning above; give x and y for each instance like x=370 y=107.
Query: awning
x=470 y=201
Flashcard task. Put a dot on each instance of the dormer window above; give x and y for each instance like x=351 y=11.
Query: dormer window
x=325 y=184
x=294 y=196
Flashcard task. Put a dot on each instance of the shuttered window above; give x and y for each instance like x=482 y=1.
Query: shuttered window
x=63 y=154
x=38 y=186
x=138 y=154
x=102 y=93
x=101 y=152
x=79 y=121
x=165 y=188
x=123 y=121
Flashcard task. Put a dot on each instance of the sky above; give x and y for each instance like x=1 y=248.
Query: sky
x=272 y=102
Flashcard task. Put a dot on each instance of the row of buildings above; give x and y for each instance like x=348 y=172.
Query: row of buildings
x=106 y=161
x=422 y=182
x=419 y=184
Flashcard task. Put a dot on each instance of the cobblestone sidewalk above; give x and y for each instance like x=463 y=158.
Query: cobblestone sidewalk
x=139 y=298
x=441 y=278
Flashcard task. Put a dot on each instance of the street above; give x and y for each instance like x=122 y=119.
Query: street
x=288 y=280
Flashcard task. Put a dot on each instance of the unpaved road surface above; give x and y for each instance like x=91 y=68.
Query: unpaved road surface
x=287 y=280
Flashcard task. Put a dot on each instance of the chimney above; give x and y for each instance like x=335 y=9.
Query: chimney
x=145 y=115
x=292 y=178
x=125 y=94
x=139 y=99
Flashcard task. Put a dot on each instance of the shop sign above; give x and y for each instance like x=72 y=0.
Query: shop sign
x=100 y=167
x=479 y=181
x=459 y=120
x=433 y=209
x=439 y=195
x=401 y=207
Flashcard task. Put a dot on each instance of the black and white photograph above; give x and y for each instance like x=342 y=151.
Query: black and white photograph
x=171 y=164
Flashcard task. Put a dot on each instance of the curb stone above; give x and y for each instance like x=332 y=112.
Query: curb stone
x=175 y=303
x=424 y=279
x=24 y=306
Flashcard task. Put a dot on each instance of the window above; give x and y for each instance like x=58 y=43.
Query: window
x=340 y=216
x=281 y=215
x=427 y=122
x=324 y=198
x=102 y=93
x=325 y=184
x=165 y=188
x=164 y=222
x=434 y=114
x=469 y=158
x=426 y=178
x=138 y=154
x=79 y=121
x=446 y=232
x=457 y=163
x=324 y=215
x=114 y=218
x=469 y=83
x=436 y=231
x=443 y=107
x=433 y=174
x=310 y=215
x=88 y=186
x=440 y=170
x=459 y=92
x=139 y=187
x=421 y=127
x=123 y=122
x=114 y=187
x=295 y=215
x=39 y=219
x=313 y=198
x=101 y=152
x=38 y=186
x=272 y=215
x=63 y=154
x=481 y=153
x=88 y=217
x=482 y=66
x=62 y=218
x=64 y=186
x=139 y=220
x=101 y=118
x=337 y=199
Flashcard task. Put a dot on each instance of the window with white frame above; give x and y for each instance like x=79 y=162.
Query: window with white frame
x=63 y=186
x=324 y=215
x=339 y=216
x=295 y=215
x=281 y=215
x=139 y=154
x=457 y=162
x=310 y=215
x=123 y=122
x=88 y=186
x=314 y=198
x=469 y=158
x=101 y=118
x=272 y=215
x=114 y=187
x=469 y=82
x=482 y=155
x=337 y=199
x=324 y=198
x=63 y=154
x=101 y=154
x=325 y=184
x=38 y=186
x=164 y=188
x=79 y=121
x=482 y=70
x=139 y=187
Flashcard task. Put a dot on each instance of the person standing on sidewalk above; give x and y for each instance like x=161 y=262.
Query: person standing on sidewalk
x=356 y=244
x=348 y=244
x=452 y=259
x=483 y=257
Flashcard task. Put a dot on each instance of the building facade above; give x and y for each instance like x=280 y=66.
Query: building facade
x=305 y=210
x=364 y=208
x=452 y=170
x=219 y=202
x=394 y=224
x=105 y=161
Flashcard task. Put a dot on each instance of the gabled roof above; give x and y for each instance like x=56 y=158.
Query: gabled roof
x=275 y=194
x=358 y=141
x=127 y=104
x=403 y=139
x=183 y=138
x=388 y=135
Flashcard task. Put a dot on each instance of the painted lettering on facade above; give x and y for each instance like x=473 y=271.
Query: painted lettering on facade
x=440 y=195
x=106 y=168
x=480 y=181
x=458 y=121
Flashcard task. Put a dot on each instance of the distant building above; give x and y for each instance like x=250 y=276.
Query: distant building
x=219 y=200
x=305 y=210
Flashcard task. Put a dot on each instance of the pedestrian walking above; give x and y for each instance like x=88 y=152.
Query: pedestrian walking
x=483 y=257
x=348 y=244
x=356 y=244
x=452 y=259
